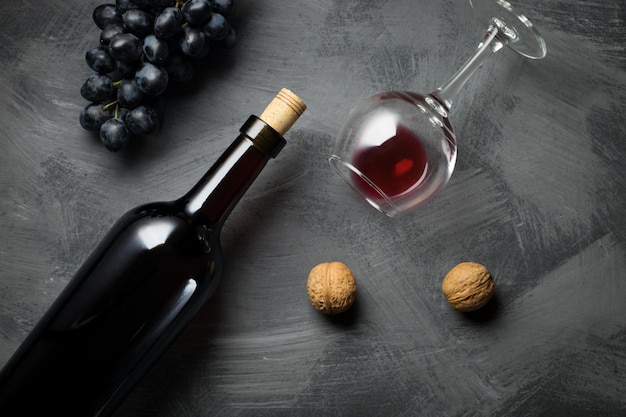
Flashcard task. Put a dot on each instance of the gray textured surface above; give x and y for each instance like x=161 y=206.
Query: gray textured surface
x=538 y=196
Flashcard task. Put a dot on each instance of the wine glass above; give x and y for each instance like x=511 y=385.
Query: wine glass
x=398 y=148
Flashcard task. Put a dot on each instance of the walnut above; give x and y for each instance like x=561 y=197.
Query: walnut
x=468 y=286
x=331 y=287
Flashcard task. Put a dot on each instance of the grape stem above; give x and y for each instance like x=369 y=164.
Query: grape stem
x=113 y=103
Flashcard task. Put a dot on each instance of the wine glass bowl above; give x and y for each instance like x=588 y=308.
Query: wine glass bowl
x=398 y=148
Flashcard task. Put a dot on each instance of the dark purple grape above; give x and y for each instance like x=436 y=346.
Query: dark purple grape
x=160 y=3
x=128 y=94
x=99 y=60
x=231 y=38
x=121 y=113
x=155 y=50
x=94 y=115
x=196 y=12
x=138 y=22
x=110 y=32
x=144 y=5
x=192 y=43
x=168 y=23
x=142 y=120
x=151 y=79
x=114 y=134
x=98 y=88
x=179 y=69
x=124 y=5
x=224 y=7
x=216 y=28
x=107 y=15
x=127 y=69
x=125 y=48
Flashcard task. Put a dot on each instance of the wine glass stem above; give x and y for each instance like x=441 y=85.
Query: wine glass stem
x=493 y=42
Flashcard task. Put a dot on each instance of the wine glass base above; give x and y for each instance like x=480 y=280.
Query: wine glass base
x=520 y=34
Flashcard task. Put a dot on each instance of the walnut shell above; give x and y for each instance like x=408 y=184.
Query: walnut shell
x=331 y=287
x=468 y=286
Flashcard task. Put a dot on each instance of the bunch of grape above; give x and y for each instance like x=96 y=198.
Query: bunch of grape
x=145 y=45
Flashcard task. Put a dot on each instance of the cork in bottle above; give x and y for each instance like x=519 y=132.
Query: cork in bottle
x=283 y=111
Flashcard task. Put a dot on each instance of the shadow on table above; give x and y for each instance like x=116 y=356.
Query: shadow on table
x=488 y=313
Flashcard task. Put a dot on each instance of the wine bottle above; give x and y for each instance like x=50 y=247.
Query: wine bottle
x=138 y=290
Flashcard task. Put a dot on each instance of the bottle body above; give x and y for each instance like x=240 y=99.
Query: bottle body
x=136 y=292
x=139 y=289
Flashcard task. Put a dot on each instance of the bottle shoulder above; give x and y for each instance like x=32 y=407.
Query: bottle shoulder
x=159 y=224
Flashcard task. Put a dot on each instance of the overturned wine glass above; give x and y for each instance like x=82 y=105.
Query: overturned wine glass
x=398 y=148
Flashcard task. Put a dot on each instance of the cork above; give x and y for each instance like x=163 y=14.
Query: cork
x=283 y=111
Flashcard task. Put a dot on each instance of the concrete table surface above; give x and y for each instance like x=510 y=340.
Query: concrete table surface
x=538 y=196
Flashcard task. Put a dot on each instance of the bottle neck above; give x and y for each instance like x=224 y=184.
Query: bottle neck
x=213 y=198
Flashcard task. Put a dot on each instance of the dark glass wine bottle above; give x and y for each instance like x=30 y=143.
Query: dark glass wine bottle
x=139 y=289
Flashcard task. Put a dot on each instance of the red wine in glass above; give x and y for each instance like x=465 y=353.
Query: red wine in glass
x=397 y=151
x=396 y=166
